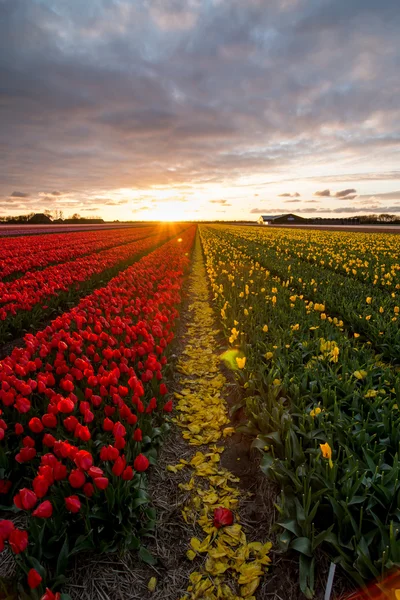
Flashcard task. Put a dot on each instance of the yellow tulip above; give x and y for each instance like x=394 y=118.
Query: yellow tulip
x=241 y=362
x=327 y=452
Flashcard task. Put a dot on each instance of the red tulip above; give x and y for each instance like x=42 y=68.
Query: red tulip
x=48 y=595
x=67 y=385
x=141 y=463
x=120 y=443
x=88 y=416
x=6 y=527
x=119 y=430
x=5 y=485
x=59 y=471
x=83 y=460
x=49 y=420
x=73 y=504
x=108 y=425
x=95 y=472
x=88 y=490
x=119 y=466
x=44 y=510
x=25 y=499
x=25 y=455
x=76 y=478
x=66 y=405
x=34 y=579
x=40 y=485
x=18 y=429
x=47 y=473
x=101 y=482
x=137 y=435
x=127 y=475
x=163 y=389
x=168 y=406
x=82 y=432
x=222 y=517
x=35 y=425
x=28 y=442
x=70 y=423
x=18 y=540
x=48 y=440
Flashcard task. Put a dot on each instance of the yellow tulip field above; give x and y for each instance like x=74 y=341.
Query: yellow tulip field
x=311 y=322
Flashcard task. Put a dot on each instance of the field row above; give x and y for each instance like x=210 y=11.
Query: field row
x=82 y=416
x=19 y=255
x=367 y=310
x=322 y=406
x=25 y=302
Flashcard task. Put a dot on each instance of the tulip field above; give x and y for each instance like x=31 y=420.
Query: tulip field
x=312 y=319
x=82 y=407
x=304 y=324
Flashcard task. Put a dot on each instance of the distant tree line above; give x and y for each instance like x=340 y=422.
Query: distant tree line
x=382 y=218
x=47 y=218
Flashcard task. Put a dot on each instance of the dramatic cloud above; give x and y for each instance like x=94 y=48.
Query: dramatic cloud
x=19 y=195
x=107 y=95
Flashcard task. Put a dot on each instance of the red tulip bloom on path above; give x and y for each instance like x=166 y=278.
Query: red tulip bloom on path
x=222 y=517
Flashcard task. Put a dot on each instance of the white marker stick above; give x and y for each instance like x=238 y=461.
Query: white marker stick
x=329 y=584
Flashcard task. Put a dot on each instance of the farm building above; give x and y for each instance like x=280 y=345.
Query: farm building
x=278 y=219
x=39 y=219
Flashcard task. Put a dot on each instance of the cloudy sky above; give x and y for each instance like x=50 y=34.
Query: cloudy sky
x=143 y=109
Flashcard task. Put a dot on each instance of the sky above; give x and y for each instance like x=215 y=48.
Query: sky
x=199 y=109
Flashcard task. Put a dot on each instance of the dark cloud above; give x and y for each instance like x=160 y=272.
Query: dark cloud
x=323 y=193
x=55 y=193
x=346 y=193
x=286 y=201
x=288 y=195
x=19 y=195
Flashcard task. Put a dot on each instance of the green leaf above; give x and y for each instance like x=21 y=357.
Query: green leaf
x=291 y=525
x=266 y=463
x=302 y=545
x=306 y=576
x=146 y=556
x=62 y=560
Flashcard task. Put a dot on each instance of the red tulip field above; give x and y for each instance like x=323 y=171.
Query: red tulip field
x=199 y=412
